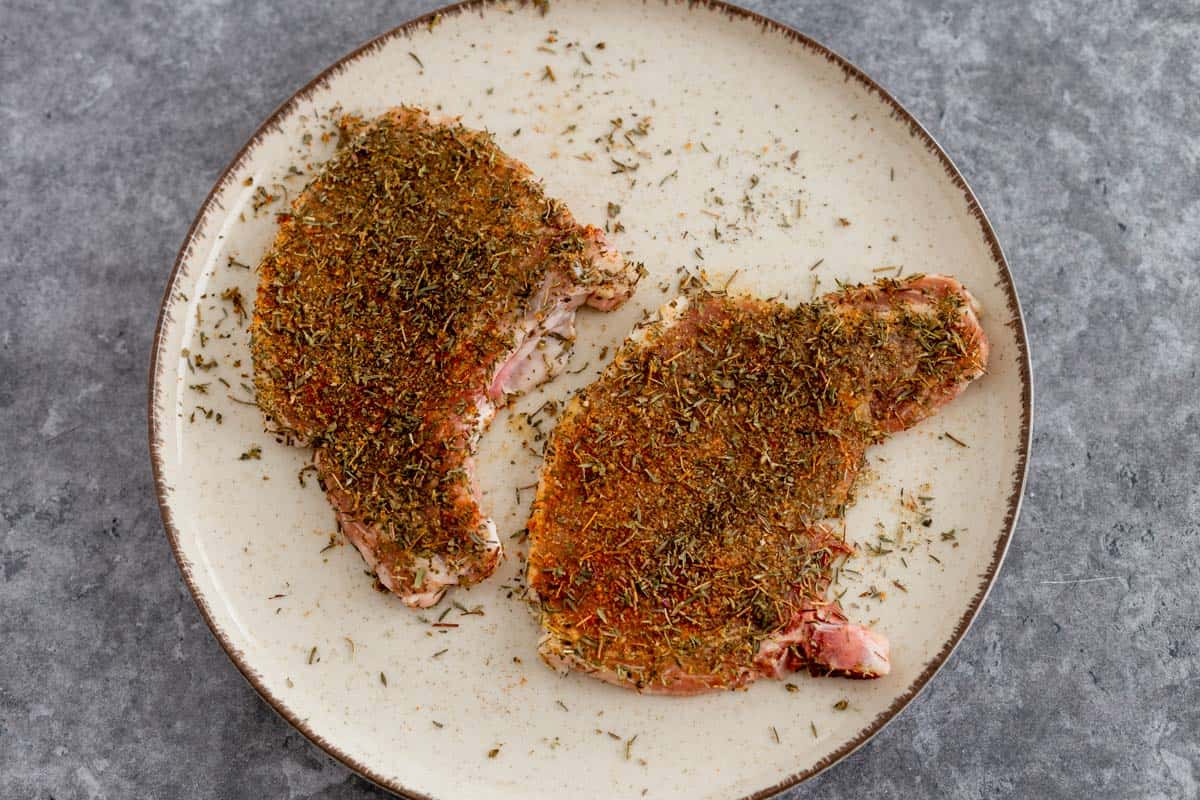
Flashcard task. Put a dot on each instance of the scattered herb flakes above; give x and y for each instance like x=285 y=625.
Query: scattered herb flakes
x=955 y=439
x=874 y=594
x=775 y=735
x=253 y=454
x=204 y=364
x=300 y=474
x=548 y=75
x=813 y=727
x=312 y=655
x=261 y=199
x=233 y=296
x=791 y=687
x=441 y=652
x=383 y=679
x=629 y=746
x=841 y=705
x=416 y=58
x=562 y=705
x=495 y=751
x=468 y=612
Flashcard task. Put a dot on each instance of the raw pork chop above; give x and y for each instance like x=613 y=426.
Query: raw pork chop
x=420 y=280
x=677 y=538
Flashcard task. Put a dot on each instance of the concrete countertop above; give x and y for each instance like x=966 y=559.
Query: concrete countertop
x=1079 y=128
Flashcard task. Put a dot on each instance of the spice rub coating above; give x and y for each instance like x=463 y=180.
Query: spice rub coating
x=418 y=281
x=677 y=542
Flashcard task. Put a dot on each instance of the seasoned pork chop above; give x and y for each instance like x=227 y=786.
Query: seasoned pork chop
x=420 y=279
x=678 y=537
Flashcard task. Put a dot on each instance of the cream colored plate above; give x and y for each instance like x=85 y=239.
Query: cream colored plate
x=757 y=136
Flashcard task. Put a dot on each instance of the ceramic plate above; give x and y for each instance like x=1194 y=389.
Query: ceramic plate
x=740 y=148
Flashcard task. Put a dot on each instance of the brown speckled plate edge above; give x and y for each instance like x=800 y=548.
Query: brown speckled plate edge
x=1016 y=321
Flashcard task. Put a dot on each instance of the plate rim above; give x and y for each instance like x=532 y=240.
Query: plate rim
x=852 y=71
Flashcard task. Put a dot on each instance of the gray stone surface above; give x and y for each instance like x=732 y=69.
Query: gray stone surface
x=1078 y=125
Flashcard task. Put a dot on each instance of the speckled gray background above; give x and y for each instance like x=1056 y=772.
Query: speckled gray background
x=1077 y=123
